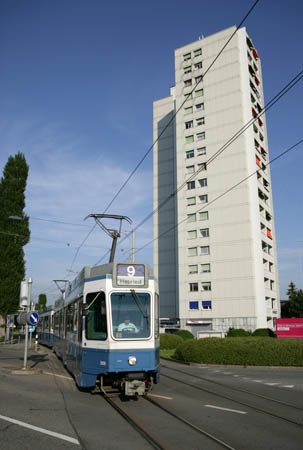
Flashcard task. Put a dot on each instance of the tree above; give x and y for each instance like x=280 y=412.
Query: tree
x=293 y=307
x=14 y=234
x=291 y=291
x=41 y=302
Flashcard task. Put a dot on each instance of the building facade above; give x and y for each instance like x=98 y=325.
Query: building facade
x=215 y=252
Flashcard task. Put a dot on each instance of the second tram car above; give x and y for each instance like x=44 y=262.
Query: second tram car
x=45 y=327
x=107 y=329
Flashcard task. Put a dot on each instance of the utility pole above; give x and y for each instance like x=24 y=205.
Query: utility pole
x=30 y=281
x=133 y=247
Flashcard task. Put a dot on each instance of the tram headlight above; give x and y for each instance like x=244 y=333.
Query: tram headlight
x=132 y=360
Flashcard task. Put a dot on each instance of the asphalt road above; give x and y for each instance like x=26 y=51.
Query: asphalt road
x=247 y=408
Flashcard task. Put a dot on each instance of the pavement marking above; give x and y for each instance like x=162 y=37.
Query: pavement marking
x=271 y=384
x=236 y=375
x=258 y=381
x=41 y=430
x=160 y=396
x=226 y=409
x=287 y=386
x=56 y=375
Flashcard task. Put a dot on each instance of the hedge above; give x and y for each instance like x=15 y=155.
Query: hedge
x=237 y=332
x=242 y=351
x=169 y=341
x=263 y=332
x=184 y=334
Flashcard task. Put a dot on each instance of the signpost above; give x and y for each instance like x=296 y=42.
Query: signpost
x=27 y=317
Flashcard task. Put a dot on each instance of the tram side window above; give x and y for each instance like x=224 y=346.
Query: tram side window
x=70 y=318
x=96 y=327
x=56 y=323
x=80 y=319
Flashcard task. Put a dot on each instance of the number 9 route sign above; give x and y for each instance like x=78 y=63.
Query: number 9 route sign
x=130 y=274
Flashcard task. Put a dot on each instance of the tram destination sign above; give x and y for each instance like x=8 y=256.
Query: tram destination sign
x=130 y=275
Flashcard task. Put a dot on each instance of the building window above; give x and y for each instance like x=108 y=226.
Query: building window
x=202 y=166
x=199 y=92
x=198 y=52
x=200 y=107
x=190 y=169
x=272 y=284
x=190 y=185
x=203 y=215
x=203 y=198
x=187 y=56
x=206 y=286
x=189 y=124
x=205 y=250
x=193 y=268
x=187 y=69
x=268 y=232
x=188 y=96
x=203 y=182
x=204 y=232
x=191 y=201
x=205 y=268
x=198 y=65
x=200 y=121
x=193 y=287
x=190 y=154
x=193 y=305
x=189 y=139
x=188 y=110
x=206 y=304
x=191 y=217
x=198 y=79
x=201 y=151
x=192 y=234
x=200 y=136
x=187 y=83
x=192 y=251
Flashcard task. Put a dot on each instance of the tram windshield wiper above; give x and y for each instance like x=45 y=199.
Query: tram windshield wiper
x=139 y=304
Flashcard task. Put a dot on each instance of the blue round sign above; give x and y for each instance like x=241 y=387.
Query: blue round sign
x=33 y=318
x=31 y=329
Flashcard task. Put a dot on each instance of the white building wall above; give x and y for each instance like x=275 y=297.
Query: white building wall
x=237 y=271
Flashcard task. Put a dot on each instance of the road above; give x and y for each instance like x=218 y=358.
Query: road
x=235 y=407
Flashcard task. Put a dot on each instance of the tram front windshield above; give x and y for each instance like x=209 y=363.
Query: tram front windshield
x=131 y=315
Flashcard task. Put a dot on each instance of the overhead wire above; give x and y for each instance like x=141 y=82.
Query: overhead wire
x=221 y=195
x=176 y=112
x=231 y=140
x=174 y=115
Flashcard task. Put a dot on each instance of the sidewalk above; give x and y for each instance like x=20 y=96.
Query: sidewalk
x=12 y=359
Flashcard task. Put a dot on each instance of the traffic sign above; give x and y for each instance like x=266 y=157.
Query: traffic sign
x=31 y=329
x=29 y=318
x=33 y=318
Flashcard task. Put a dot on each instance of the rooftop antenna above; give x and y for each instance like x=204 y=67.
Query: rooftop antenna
x=201 y=37
x=114 y=234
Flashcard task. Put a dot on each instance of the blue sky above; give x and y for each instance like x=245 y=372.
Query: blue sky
x=77 y=83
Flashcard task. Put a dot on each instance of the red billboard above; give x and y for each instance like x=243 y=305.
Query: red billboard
x=289 y=328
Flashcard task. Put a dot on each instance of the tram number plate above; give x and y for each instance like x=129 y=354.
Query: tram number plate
x=130 y=274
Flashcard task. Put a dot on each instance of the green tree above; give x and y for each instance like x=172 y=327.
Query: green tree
x=291 y=291
x=14 y=234
x=41 y=302
x=294 y=305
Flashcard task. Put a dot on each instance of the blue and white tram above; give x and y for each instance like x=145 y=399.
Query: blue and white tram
x=45 y=327
x=107 y=331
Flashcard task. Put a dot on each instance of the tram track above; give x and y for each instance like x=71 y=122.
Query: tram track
x=149 y=437
x=230 y=397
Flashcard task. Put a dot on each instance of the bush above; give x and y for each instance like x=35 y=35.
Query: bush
x=242 y=351
x=264 y=332
x=238 y=332
x=169 y=341
x=185 y=334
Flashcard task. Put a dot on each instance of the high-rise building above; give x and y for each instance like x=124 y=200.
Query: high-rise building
x=214 y=252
